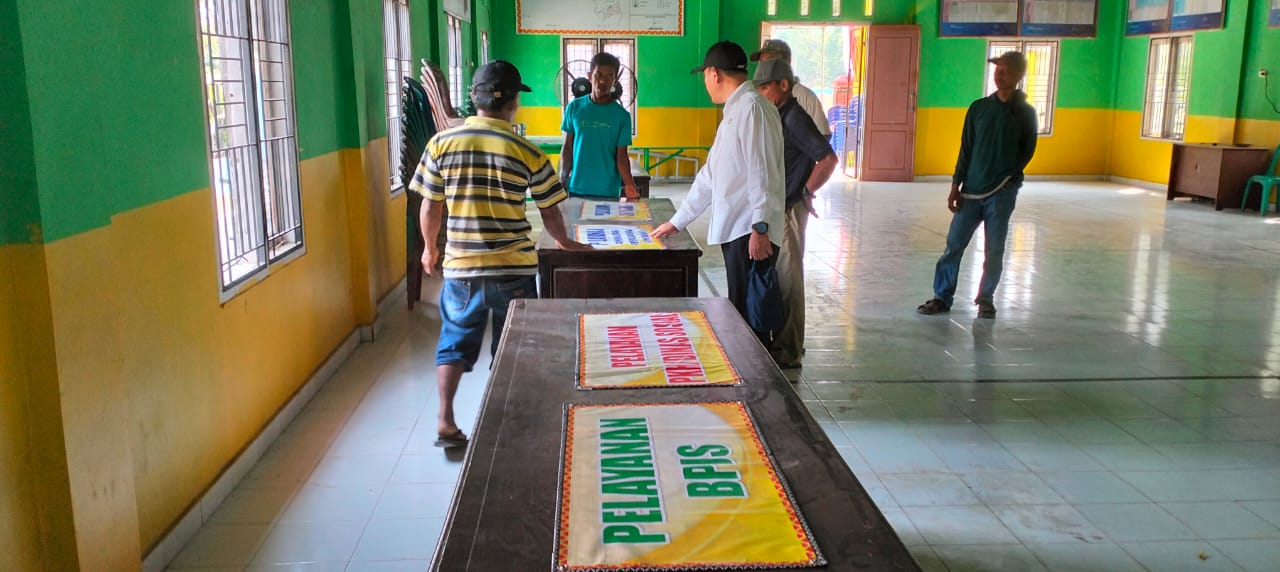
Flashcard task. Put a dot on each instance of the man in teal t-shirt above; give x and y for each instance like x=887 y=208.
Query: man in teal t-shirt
x=597 y=132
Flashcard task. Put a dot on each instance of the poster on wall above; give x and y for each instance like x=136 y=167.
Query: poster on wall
x=460 y=9
x=638 y=17
x=979 y=18
x=1147 y=17
x=1275 y=12
x=1060 y=18
x=688 y=486
x=1196 y=15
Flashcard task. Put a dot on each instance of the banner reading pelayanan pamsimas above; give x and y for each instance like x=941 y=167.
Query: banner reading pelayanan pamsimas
x=674 y=487
x=661 y=349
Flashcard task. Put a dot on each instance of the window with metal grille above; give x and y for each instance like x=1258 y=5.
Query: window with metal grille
x=1164 y=109
x=455 y=61
x=576 y=54
x=1041 y=81
x=398 y=64
x=247 y=73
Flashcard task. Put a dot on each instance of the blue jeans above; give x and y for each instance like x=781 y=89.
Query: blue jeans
x=993 y=214
x=465 y=304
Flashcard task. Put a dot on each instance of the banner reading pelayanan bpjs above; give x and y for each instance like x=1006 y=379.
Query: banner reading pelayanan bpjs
x=674 y=487
x=661 y=349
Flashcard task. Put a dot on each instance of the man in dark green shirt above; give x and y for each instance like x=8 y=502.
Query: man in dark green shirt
x=998 y=141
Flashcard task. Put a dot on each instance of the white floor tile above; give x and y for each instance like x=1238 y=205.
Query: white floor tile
x=984 y=442
x=305 y=542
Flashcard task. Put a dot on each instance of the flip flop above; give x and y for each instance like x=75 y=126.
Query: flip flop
x=455 y=439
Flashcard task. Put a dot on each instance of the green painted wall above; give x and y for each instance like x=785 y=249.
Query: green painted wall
x=1217 y=63
x=116 y=116
x=113 y=121
x=1087 y=66
x=322 y=68
x=1262 y=50
x=1224 y=67
x=20 y=216
x=662 y=60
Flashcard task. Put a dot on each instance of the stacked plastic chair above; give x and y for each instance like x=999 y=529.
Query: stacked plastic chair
x=427 y=109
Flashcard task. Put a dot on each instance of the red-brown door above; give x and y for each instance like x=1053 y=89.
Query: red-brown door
x=893 y=67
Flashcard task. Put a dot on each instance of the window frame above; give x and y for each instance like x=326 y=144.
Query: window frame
x=1021 y=44
x=397 y=60
x=1168 y=116
x=261 y=175
x=599 y=43
x=454 y=49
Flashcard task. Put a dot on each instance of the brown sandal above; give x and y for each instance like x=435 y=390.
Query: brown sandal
x=934 y=306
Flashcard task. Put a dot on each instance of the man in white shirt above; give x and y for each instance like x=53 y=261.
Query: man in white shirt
x=743 y=179
x=807 y=99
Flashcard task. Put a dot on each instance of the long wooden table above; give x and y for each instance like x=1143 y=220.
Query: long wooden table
x=502 y=516
x=670 y=272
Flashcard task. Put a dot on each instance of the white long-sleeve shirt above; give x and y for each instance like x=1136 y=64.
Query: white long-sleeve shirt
x=810 y=103
x=743 y=181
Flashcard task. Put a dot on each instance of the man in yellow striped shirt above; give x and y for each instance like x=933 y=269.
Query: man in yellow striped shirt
x=481 y=171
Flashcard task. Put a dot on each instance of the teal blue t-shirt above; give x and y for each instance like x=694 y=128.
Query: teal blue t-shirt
x=598 y=130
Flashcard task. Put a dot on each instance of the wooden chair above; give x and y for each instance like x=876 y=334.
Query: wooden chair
x=1266 y=181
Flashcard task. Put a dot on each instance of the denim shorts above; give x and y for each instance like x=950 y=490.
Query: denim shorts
x=465 y=304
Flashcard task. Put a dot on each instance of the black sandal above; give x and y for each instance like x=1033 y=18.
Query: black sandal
x=455 y=439
x=934 y=306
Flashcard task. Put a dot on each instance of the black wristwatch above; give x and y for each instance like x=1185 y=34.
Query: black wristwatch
x=761 y=227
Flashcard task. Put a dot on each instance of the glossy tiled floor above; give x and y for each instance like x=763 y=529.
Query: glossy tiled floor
x=1121 y=413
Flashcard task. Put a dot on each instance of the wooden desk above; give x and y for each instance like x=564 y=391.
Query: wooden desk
x=671 y=272
x=502 y=516
x=1216 y=172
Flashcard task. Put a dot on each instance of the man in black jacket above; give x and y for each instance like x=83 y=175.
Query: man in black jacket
x=998 y=141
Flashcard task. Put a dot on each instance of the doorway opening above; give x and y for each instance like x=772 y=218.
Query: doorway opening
x=831 y=60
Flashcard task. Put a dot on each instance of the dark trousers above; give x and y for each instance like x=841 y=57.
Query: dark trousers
x=737 y=265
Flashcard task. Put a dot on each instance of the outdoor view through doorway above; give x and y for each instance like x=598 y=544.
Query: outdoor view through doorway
x=830 y=60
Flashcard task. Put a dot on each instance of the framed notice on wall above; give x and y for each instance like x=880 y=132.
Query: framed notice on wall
x=1275 y=12
x=460 y=9
x=979 y=18
x=1147 y=17
x=1060 y=18
x=631 y=17
x=1196 y=15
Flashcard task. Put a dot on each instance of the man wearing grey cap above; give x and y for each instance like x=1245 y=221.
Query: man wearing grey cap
x=808 y=161
x=742 y=180
x=998 y=141
x=778 y=49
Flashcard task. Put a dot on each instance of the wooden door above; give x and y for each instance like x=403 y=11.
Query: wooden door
x=893 y=69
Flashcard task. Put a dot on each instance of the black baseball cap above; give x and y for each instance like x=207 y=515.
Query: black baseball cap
x=726 y=56
x=499 y=77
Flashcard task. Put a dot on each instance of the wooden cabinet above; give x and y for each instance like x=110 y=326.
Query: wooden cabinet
x=670 y=272
x=1216 y=172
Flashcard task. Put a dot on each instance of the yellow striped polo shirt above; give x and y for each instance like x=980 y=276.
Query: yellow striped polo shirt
x=482 y=169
